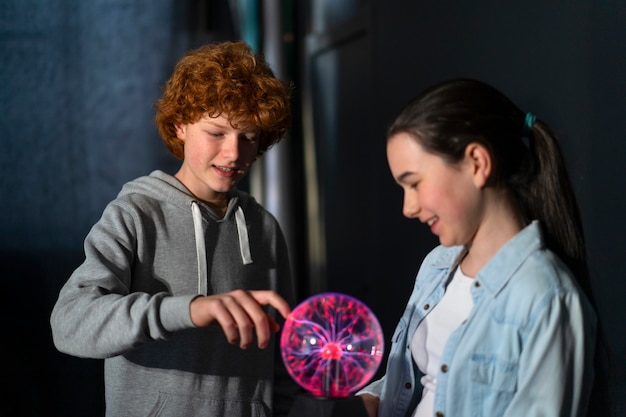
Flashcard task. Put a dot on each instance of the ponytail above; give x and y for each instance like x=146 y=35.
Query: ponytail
x=551 y=200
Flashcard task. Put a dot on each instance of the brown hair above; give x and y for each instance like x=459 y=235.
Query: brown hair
x=224 y=78
x=527 y=160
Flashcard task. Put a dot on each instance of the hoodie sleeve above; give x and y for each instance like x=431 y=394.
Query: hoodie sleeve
x=285 y=388
x=96 y=314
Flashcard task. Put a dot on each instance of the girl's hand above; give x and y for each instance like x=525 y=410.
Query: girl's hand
x=371 y=404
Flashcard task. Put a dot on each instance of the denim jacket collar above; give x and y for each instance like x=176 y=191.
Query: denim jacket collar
x=497 y=272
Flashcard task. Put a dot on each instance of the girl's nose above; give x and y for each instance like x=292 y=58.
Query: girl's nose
x=410 y=206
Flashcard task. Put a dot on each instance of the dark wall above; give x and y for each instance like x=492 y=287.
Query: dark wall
x=78 y=82
x=564 y=62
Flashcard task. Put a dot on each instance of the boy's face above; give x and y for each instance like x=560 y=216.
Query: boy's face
x=216 y=156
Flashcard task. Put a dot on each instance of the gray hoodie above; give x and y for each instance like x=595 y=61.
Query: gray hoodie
x=156 y=248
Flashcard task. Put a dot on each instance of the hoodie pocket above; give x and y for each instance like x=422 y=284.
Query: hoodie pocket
x=175 y=405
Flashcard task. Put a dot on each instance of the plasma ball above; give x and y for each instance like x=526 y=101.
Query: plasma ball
x=331 y=344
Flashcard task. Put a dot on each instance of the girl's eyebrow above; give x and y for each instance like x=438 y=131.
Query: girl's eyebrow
x=403 y=176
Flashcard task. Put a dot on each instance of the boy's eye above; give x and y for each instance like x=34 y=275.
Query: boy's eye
x=249 y=138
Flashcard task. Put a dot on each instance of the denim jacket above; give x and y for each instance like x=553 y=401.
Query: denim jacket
x=525 y=350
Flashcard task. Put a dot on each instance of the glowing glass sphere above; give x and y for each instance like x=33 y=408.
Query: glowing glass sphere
x=331 y=344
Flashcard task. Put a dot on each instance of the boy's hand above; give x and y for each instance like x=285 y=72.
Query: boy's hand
x=239 y=313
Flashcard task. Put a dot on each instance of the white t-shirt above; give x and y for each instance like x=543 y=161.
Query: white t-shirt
x=431 y=336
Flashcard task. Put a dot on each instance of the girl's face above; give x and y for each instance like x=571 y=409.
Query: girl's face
x=446 y=197
x=217 y=156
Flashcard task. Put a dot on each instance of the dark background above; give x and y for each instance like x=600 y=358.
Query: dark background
x=79 y=78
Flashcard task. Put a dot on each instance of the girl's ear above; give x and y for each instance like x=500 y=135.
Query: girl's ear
x=479 y=160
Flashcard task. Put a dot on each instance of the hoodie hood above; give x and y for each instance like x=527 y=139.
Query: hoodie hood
x=164 y=187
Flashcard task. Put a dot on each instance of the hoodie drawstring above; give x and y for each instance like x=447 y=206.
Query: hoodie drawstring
x=244 y=243
x=200 y=248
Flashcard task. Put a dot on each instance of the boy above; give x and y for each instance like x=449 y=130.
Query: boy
x=181 y=269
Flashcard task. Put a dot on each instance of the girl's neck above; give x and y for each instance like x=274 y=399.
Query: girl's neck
x=496 y=229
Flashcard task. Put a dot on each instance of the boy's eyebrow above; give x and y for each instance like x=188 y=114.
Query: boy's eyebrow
x=214 y=123
x=248 y=130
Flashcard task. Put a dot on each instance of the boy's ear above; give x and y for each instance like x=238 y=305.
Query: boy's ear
x=180 y=130
x=479 y=159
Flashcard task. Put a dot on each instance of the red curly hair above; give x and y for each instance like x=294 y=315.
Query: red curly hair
x=224 y=78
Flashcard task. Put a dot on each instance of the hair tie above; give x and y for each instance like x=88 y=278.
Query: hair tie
x=528 y=123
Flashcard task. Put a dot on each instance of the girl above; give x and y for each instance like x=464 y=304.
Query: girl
x=499 y=322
